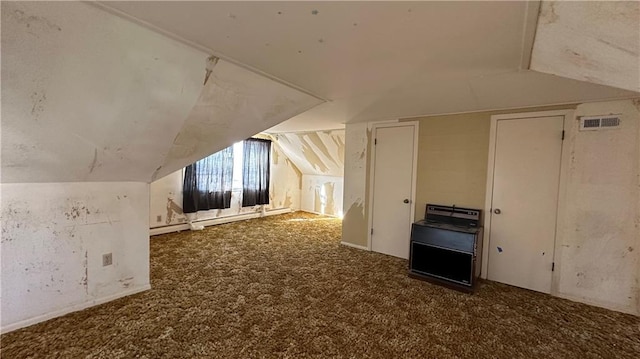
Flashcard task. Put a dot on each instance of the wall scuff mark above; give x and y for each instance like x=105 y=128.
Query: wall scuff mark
x=92 y=166
x=172 y=208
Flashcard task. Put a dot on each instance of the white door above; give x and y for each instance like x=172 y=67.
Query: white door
x=524 y=203
x=392 y=190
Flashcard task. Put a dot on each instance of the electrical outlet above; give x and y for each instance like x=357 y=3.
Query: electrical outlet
x=159 y=218
x=107 y=259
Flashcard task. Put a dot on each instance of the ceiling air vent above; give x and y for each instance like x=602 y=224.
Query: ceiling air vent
x=592 y=123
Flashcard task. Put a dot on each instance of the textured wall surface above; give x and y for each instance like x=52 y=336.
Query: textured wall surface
x=356 y=185
x=322 y=194
x=452 y=161
x=88 y=96
x=315 y=153
x=320 y=158
x=598 y=250
x=53 y=239
x=595 y=41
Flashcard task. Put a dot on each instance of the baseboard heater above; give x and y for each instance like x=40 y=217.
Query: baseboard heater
x=219 y=220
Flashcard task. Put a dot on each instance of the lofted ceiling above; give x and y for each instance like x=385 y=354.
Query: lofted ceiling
x=591 y=41
x=88 y=96
x=376 y=60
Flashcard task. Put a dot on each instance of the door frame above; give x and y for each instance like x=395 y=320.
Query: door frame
x=372 y=164
x=564 y=162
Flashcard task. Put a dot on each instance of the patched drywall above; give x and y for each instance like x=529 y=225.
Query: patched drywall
x=594 y=41
x=115 y=101
x=322 y=194
x=356 y=174
x=315 y=153
x=53 y=239
x=284 y=192
x=598 y=251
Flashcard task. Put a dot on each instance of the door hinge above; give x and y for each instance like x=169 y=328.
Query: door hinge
x=375 y=141
x=372 y=231
x=563 y=135
x=553 y=266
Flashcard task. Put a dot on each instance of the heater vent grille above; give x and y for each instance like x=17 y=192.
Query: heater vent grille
x=594 y=123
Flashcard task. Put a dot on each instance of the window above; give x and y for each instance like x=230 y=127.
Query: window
x=208 y=182
x=243 y=168
x=237 y=166
x=255 y=172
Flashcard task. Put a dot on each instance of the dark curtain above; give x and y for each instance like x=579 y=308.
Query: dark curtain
x=208 y=182
x=255 y=171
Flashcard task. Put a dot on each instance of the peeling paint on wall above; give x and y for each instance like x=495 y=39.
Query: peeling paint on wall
x=602 y=212
x=172 y=209
x=322 y=194
x=312 y=158
x=356 y=184
x=315 y=153
x=53 y=239
x=354 y=225
x=322 y=147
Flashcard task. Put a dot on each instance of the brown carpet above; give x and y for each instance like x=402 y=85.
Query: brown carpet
x=284 y=287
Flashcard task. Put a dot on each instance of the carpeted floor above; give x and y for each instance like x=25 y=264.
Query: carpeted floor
x=284 y=287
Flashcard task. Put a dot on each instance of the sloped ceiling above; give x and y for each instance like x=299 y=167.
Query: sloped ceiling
x=314 y=153
x=595 y=41
x=378 y=60
x=88 y=96
x=233 y=105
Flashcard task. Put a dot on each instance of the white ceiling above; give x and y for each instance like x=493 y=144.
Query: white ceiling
x=376 y=60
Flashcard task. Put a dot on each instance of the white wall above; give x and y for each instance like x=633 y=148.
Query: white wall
x=320 y=158
x=322 y=194
x=284 y=192
x=598 y=243
x=88 y=97
x=53 y=239
x=356 y=179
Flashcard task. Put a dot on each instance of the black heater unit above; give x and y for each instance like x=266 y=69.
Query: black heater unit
x=446 y=246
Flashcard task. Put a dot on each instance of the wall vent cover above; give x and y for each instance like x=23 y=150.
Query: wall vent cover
x=593 y=123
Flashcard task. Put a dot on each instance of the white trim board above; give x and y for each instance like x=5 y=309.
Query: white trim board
x=71 y=309
x=214 y=221
x=356 y=246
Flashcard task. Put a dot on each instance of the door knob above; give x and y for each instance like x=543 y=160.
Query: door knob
x=497 y=211
x=406 y=200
